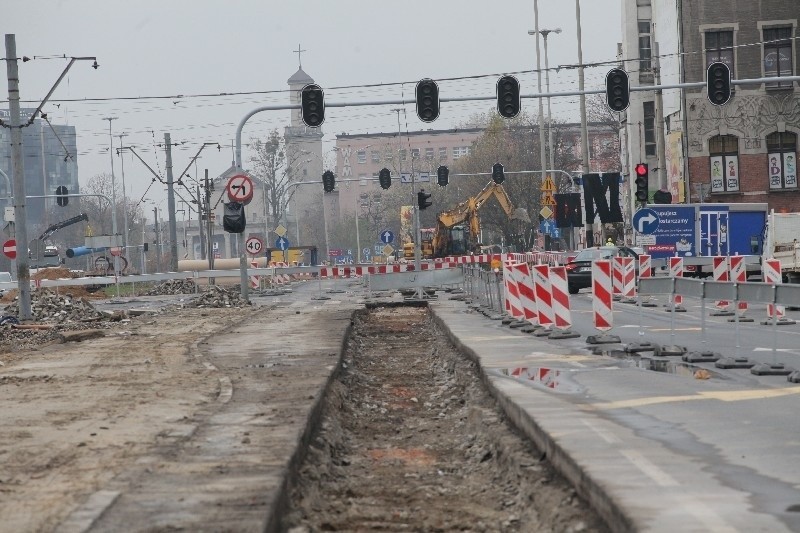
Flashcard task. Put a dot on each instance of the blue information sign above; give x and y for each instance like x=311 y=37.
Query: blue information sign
x=674 y=232
x=387 y=237
x=282 y=243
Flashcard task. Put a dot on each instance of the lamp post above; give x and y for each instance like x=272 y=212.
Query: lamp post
x=124 y=197
x=113 y=195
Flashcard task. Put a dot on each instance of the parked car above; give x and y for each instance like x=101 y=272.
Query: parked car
x=579 y=270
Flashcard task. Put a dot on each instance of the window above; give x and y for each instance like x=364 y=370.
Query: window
x=719 y=48
x=362 y=156
x=782 y=160
x=778 y=55
x=402 y=155
x=388 y=156
x=376 y=156
x=442 y=153
x=415 y=153
x=362 y=180
x=724 y=161
x=645 y=51
x=459 y=151
x=428 y=153
x=649 y=128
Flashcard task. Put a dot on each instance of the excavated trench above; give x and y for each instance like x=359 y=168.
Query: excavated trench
x=410 y=440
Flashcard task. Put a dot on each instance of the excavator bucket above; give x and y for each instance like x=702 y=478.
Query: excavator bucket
x=520 y=213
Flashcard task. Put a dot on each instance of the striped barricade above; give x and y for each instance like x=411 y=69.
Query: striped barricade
x=721 y=273
x=562 y=316
x=527 y=292
x=738 y=272
x=676 y=271
x=602 y=302
x=544 y=305
x=254 y=280
x=776 y=314
x=513 y=305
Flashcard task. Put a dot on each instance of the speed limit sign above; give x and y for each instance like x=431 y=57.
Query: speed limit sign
x=254 y=245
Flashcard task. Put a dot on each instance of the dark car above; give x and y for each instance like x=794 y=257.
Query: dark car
x=579 y=270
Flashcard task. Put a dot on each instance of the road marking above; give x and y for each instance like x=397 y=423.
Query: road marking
x=607 y=436
x=722 y=396
x=787 y=350
x=649 y=468
x=677 y=329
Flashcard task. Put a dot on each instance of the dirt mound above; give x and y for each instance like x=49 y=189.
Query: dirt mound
x=52 y=273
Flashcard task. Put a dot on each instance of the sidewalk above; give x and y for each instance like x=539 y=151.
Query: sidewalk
x=624 y=445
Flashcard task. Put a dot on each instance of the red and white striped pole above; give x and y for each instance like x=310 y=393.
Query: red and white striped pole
x=739 y=275
x=541 y=280
x=720 y=270
x=560 y=300
x=602 y=295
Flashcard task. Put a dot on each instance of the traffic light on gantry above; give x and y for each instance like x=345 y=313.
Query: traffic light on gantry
x=328 y=181
x=385 y=178
x=641 y=181
x=718 y=83
x=423 y=199
x=443 y=175
x=61 y=193
x=427 y=100
x=508 y=100
x=312 y=105
x=498 y=175
x=618 y=90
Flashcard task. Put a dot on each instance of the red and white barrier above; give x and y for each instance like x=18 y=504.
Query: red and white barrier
x=738 y=275
x=541 y=280
x=616 y=276
x=720 y=264
x=602 y=295
x=254 y=280
x=560 y=297
x=676 y=271
x=513 y=304
x=645 y=266
x=527 y=293
x=627 y=275
x=351 y=271
x=771 y=270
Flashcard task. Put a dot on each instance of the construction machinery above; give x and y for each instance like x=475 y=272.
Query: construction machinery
x=41 y=255
x=458 y=230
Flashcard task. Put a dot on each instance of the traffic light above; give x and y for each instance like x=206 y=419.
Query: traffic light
x=718 y=83
x=312 y=105
x=508 y=102
x=63 y=199
x=423 y=199
x=498 y=176
x=427 y=100
x=641 y=182
x=443 y=175
x=328 y=181
x=385 y=178
x=233 y=219
x=618 y=90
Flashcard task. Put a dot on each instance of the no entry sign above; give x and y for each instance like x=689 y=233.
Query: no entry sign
x=10 y=249
x=240 y=189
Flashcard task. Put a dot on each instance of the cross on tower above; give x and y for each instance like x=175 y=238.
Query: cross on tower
x=299 y=61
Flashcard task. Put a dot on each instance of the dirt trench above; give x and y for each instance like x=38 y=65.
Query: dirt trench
x=412 y=441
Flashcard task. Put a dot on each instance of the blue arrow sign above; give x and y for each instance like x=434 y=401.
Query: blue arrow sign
x=387 y=237
x=545 y=227
x=645 y=221
x=282 y=243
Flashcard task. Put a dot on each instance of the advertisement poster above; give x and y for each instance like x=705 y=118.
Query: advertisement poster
x=775 y=169
x=789 y=170
x=674 y=232
x=732 y=173
x=717 y=177
x=406 y=223
x=674 y=156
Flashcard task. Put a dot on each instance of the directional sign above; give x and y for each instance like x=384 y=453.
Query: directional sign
x=10 y=249
x=645 y=221
x=254 y=245
x=282 y=243
x=387 y=237
x=240 y=189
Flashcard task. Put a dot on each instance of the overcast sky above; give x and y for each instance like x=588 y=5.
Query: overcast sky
x=168 y=48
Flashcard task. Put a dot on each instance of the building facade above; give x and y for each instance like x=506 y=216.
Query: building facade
x=743 y=151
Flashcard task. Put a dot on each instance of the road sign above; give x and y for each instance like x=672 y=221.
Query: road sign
x=282 y=243
x=240 y=189
x=335 y=252
x=388 y=250
x=547 y=198
x=548 y=185
x=645 y=221
x=367 y=252
x=280 y=231
x=546 y=212
x=378 y=247
x=254 y=245
x=387 y=237
x=10 y=249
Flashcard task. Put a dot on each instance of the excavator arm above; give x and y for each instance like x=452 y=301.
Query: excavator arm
x=63 y=224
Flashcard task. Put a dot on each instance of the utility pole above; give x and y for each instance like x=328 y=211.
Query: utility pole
x=209 y=224
x=542 y=151
x=18 y=175
x=173 y=231
x=584 y=130
x=200 y=210
x=124 y=199
x=157 y=239
x=660 y=142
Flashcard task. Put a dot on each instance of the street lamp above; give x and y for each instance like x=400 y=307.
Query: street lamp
x=545 y=33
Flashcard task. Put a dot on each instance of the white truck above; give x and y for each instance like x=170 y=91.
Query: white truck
x=783 y=243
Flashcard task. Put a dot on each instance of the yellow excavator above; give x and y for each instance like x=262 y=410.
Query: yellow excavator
x=458 y=230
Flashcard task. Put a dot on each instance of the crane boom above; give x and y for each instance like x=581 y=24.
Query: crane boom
x=63 y=224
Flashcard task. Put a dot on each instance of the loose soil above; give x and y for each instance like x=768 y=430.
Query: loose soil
x=412 y=441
